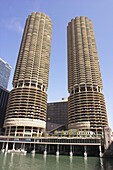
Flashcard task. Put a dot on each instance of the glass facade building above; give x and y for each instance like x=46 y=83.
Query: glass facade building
x=5 y=70
x=57 y=113
x=4 y=96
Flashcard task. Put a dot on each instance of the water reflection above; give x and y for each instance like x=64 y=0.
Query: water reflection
x=57 y=159
x=33 y=155
x=57 y=162
x=71 y=162
x=4 y=160
x=101 y=163
x=85 y=162
x=13 y=161
x=45 y=157
x=71 y=159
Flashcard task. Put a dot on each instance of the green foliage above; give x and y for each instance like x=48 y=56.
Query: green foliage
x=70 y=133
x=77 y=132
x=62 y=133
x=55 y=132
x=39 y=135
x=85 y=132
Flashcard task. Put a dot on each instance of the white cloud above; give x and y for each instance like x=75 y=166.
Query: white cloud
x=14 y=24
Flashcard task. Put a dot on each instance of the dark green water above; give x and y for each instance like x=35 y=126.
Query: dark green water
x=10 y=161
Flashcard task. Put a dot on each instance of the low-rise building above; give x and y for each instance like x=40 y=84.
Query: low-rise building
x=57 y=114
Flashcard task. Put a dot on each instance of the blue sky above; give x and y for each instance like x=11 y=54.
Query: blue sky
x=13 y=14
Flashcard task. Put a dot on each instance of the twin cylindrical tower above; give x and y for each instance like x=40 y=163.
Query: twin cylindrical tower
x=86 y=105
x=26 y=112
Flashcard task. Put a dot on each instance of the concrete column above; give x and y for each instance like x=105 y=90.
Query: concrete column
x=100 y=151
x=9 y=131
x=16 y=131
x=71 y=153
x=24 y=146
x=57 y=152
x=31 y=131
x=6 y=149
x=42 y=87
x=3 y=150
x=37 y=131
x=33 y=151
x=29 y=85
x=85 y=87
x=13 y=146
x=45 y=152
x=97 y=89
x=48 y=148
x=85 y=151
x=41 y=132
x=74 y=90
x=34 y=147
x=3 y=145
x=79 y=88
x=36 y=85
x=24 y=131
x=17 y=85
x=5 y=131
x=23 y=84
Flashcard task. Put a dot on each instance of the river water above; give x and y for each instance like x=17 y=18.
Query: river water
x=15 y=161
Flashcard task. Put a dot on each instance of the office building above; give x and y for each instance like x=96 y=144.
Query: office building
x=4 y=95
x=5 y=70
x=86 y=104
x=27 y=106
x=57 y=115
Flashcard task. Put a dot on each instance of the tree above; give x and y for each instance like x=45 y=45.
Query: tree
x=77 y=132
x=70 y=133
x=39 y=135
x=85 y=132
x=55 y=132
x=62 y=133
